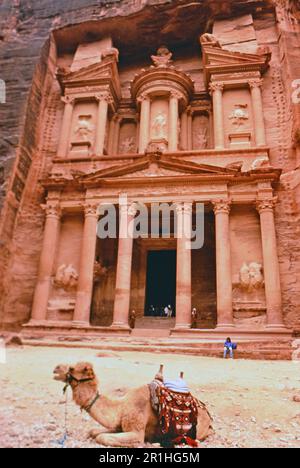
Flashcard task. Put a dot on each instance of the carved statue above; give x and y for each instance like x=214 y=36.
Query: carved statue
x=128 y=145
x=66 y=277
x=163 y=57
x=210 y=39
x=239 y=115
x=251 y=276
x=84 y=127
x=159 y=125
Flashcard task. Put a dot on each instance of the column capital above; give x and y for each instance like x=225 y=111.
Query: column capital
x=129 y=209
x=68 y=100
x=256 y=83
x=104 y=96
x=52 y=209
x=184 y=207
x=266 y=205
x=143 y=97
x=216 y=86
x=175 y=95
x=221 y=206
x=91 y=209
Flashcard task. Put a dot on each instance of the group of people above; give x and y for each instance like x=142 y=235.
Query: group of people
x=157 y=311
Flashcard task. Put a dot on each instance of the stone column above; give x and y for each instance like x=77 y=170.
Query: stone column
x=184 y=266
x=64 y=141
x=144 y=123
x=124 y=267
x=173 y=122
x=217 y=95
x=184 y=131
x=223 y=257
x=103 y=101
x=190 y=129
x=258 y=113
x=42 y=290
x=116 y=135
x=111 y=136
x=86 y=268
x=271 y=264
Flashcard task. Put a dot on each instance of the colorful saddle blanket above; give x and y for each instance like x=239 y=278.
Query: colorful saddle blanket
x=177 y=412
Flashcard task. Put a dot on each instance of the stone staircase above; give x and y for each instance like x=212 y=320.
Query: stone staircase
x=160 y=327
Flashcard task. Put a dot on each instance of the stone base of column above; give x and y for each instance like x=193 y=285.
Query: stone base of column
x=276 y=327
x=225 y=326
x=120 y=326
x=80 y=324
x=179 y=327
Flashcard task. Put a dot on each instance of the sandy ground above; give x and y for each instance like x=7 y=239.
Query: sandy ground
x=251 y=402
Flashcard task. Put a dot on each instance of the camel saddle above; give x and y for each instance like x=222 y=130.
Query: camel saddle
x=177 y=413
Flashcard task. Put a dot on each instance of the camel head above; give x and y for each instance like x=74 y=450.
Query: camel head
x=61 y=372
x=82 y=371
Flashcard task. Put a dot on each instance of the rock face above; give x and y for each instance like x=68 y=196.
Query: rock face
x=28 y=52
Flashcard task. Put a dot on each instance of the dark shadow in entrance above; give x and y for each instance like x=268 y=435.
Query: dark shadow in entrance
x=161 y=282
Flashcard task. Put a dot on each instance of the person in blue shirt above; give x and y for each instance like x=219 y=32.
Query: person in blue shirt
x=228 y=347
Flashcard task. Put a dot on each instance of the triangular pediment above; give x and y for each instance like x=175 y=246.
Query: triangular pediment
x=218 y=60
x=154 y=166
x=105 y=72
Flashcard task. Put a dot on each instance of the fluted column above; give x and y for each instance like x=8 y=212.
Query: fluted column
x=271 y=264
x=64 y=140
x=184 y=131
x=124 y=267
x=173 y=122
x=42 y=290
x=258 y=113
x=103 y=101
x=184 y=266
x=144 y=123
x=217 y=95
x=86 y=268
x=223 y=258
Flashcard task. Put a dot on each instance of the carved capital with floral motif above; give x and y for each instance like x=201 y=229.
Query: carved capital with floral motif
x=91 y=209
x=213 y=87
x=52 y=209
x=263 y=206
x=255 y=83
x=221 y=206
x=68 y=100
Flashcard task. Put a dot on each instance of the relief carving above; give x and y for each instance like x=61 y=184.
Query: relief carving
x=210 y=39
x=239 y=115
x=128 y=145
x=84 y=128
x=159 y=126
x=66 y=277
x=251 y=277
x=163 y=57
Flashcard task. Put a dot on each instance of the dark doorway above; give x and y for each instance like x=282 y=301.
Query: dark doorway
x=161 y=282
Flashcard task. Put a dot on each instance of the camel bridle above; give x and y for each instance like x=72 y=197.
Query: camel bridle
x=70 y=378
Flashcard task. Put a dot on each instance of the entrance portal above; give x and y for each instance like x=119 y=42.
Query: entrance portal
x=161 y=282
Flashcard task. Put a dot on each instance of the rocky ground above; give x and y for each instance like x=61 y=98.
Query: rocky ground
x=252 y=402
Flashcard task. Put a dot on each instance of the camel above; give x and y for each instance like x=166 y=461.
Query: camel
x=129 y=421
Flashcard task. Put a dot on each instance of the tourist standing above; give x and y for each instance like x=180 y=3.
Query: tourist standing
x=194 y=317
x=132 y=319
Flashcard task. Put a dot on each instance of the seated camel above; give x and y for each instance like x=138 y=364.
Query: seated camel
x=128 y=421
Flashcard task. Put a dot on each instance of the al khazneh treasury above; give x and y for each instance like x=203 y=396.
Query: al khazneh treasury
x=180 y=113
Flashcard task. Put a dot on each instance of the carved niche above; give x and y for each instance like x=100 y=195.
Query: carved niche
x=201 y=134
